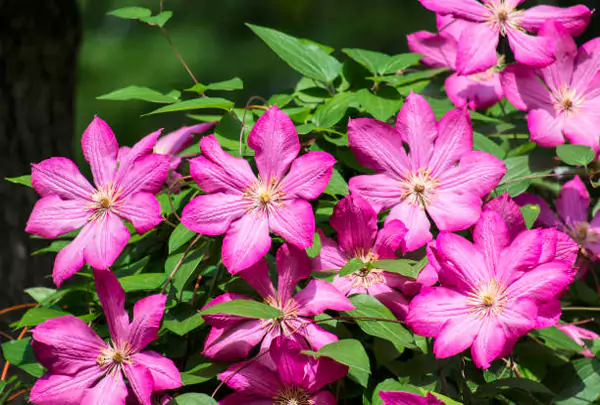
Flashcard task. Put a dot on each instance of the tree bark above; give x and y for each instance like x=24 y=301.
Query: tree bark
x=39 y=40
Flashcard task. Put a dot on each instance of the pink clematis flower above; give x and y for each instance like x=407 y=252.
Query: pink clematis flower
x=356 y=224
x=427 y=180
x=407 y=398
x=562 y=99
x=495 y=18
x=232 y=337
x=290 y=377
x=477 y=91
x=244 y=207
x=84 y=369
x=69 y=202
x=578 y=334
x=492 y=291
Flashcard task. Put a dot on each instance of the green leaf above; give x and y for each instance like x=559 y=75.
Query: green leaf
x=23 y=180
x=351 y=353
x=404 y=79
x=309 y=60
x=337 y=185
x=40 y=294
x=201 y=373
x=159 y=19
x=557 y=340
x=35 y=316
x=227 y=85
x=374 y=62
x=19 y=353
x=492 y=389
x=401 y=61
x=485 y=144
x=368 y=306
x=575 y=155
x=54 y=247
x=182 y=319
x=353 y=265
x=179 y=237
x=332 y=112
x=393 y=385
x=131 y=13
x=246 y=308
x=584 y=387
x=530 y=213
x=140 y=93
x=398 y=266
x=315 y=249
x=143 y=282
x=187 y=268
x=517 y=178
x=192 y=399
x=194 y=104
x=383 y=105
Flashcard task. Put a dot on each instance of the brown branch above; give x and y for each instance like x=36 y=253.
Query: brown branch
x=17 y=307
x=18 y=394
x=186 y=67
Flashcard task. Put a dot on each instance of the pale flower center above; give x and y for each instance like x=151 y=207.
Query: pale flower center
x=488 y=299
x=567 y=100
x=289 y=314
x=265 y=197
x=502 y=16
x=488 y=75
x=104 y=200
x=367 y=276
x=419 y=188
x=113 y=357
x=292 y=396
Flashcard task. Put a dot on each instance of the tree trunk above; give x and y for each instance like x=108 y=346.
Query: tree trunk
x=38 y=50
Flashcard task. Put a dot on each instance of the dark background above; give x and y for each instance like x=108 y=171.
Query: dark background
x=57 y=56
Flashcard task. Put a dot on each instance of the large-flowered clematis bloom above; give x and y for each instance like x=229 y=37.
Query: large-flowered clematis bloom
x=491 y=291
x=427 y=180
x=578 y=334
x=563 y=99
x=84 y=369
x=288 y=377
x=121 y=191
x=476 y=91
x=408 y=398
x=501 y=18
x=356 y=224
x=232 y=337
x=244 y=207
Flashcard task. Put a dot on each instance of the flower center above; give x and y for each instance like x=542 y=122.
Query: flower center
x=289 y=314
x=502 y=16
x=264 y=197
x=113 y=357
x=419 y=188
x=104 y=200
x=488 y=299
x=368 y=275
x=292 y=396
x=567 y=100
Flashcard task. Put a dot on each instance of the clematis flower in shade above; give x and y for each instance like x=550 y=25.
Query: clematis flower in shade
x=290 y=377
x=578 y=334
x=407 y=398
x=477 y=91
x=501 y=18
x=70 y=202
x=491 y=291
x=232 y=337
x=356 y=224
x=427 y=180
x=84 y=369
x=244 y=207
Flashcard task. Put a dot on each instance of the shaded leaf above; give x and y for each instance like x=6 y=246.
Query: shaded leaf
x=140 y=93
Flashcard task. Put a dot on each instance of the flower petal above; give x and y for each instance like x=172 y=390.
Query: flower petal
x=455 y=138
x=322 y=372
x=112 y=387
x=108 y=236
x=355 y=223
x=524 y=89
x=491 y=237
x=415 y=220
x=233 y=343
x=461 y=263
x=177 y=141
x=128 y=156
x=289 y=361
x=246 y=242
x=587 y=65
x=470 y=10
x=523 y=254
x=380 y=190
x=545 y=128
x=477 y=49
x=294 y=221
x=575 y=19
x=377 y=146
x=403 y=398
x=112 y=299
x=276 y=143
x=439 y=50
x=531 y=51
x=226 y=320
x=165 y=374
x=140 y=381
x=477 y=173
x=560 y=72
x=318 y=296
x=477 y=92
x=257 y=276
x=324 y=398
x=308 y=176
x=292 y=266
x=237 y=399
x=52 y=216
x=573 y=202
x=146 y=174
x=394 y=300
x=100 y=149
x=416 y=124
x=316 y=336
x=582 y=128
x=457 y=335
x=389 y=239
x=433 y=307
x=331 y=256
x=454 y=211
x=543 y=283
x=251 y=377
x=147 y=315
x=142 y=210
x=510 y=212
x=212 y=214
x=518 y=318
x=60 y=389
x=71 y=257
x=60 y=176
x=489 y=343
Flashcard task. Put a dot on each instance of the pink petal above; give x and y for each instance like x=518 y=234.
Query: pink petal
x=543 y=283
x=458 y=334
x=355 y=223
x=477 y=173
x=217 y=171
x=292 y=266
x=108 y=236
x=523 y=88
x=330 y=257
x=587 y=65
x=112 y=299
x=316 y=336
x=147 y=174
x=454 y=211
x=226 y=320
x=212 y=214
x=165 y=374
x=404 y=398
x=251 y=378
x=294 y=221
x=547 y=217
x=415 y=220
x=147 y=315
x=389 y=239
x=66 y=345
x=566 y=248
x=548 y=314
x=448 y=24
x=245 y=243
x=416 y=124
x=491 y=236
x=276 y=142
x=112 y=387
x=582 y=127
x=377 y=146
x=308 y=176
x=394 y=300
x=522 y=255
x=257 y=276
x=470 y=10
x=144 y=147
x=560 y=72
x=477 y=92
x=234 y=343
x=573 y=202
x=439 y=49
x=140 y=381
x=176 y=141
x=518 y=317
x=380 y=190
x=545 y=128
x=575 y=18
x=488 y=344
x=510 y=212
x=433 y=307
x=71 y=257
x=237 y=399
x=322 y=372
x=59 y=389
x=461 y=263
x=52 y=216
x=324 y=398
x=100 y=149
x=455 y=138
x=289 y=361
x=142 y=210
x=60 y=176
x=319 y=296
x=530 y=50
x=477 y=49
